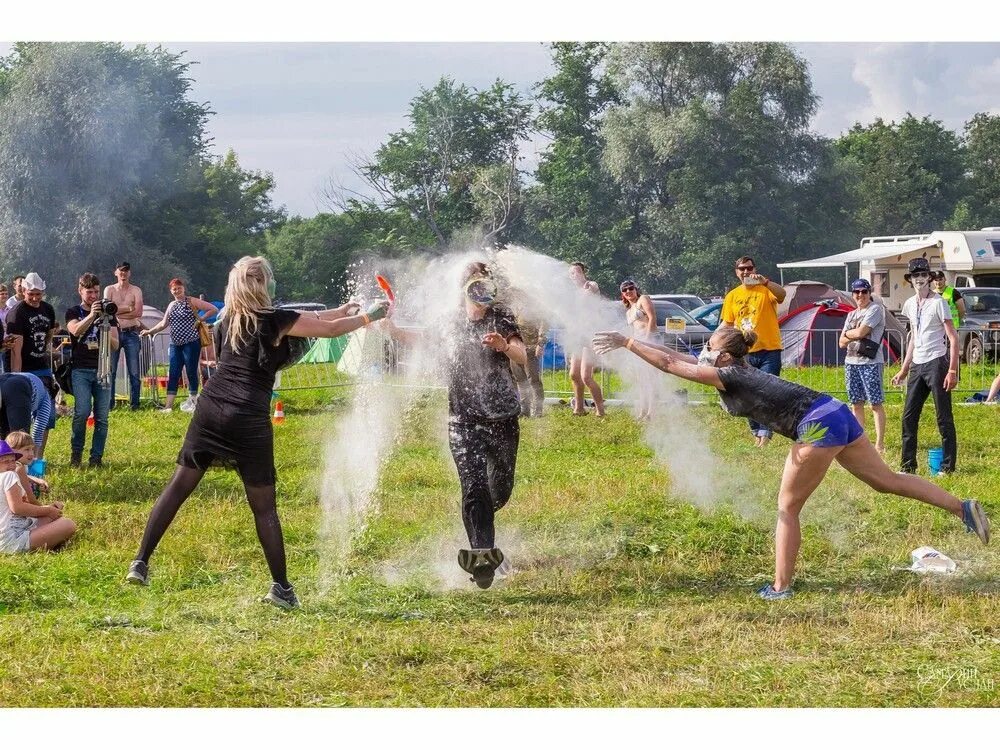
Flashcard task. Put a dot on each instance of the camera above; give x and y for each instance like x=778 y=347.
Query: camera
x=108 y=307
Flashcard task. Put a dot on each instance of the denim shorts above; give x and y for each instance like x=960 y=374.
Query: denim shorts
x=17 y=536
x=864 y=383
x=829 y=423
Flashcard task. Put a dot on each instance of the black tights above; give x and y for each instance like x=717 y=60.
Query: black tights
x=262 y=503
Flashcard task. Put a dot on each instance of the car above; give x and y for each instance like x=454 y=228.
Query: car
x=677 y=329
x=709 y=315
x=688 y=301
x=979 y=334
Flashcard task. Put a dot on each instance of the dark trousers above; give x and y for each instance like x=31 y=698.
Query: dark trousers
x=766 y=360
x=923 y=380
x=485 y=454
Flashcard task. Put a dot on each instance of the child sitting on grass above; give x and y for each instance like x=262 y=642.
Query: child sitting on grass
x=23 y=443
x=24 y=524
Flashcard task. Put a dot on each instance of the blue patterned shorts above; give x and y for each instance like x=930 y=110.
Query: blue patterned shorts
x=864 y=383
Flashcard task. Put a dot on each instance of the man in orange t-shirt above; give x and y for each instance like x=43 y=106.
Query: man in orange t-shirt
x=753 y=306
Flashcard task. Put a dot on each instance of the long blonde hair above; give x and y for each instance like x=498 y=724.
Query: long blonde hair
x=246 y=299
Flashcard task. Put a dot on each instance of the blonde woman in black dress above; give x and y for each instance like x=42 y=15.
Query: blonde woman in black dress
x=232 y=424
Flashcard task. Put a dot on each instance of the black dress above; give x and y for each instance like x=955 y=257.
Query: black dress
x=232 y=423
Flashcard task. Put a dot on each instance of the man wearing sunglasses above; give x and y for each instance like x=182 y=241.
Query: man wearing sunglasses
x=863 y=370
x=753 y=306
x=930 y=366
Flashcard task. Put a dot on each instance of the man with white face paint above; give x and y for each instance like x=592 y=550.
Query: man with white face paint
x=930 y=366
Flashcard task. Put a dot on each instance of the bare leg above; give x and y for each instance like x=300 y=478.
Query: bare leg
x=587 y=370
x=51 y=534
x=863 y=461
x=859 y=413
x=575 y=364
x=879 y=411
x=805 y=468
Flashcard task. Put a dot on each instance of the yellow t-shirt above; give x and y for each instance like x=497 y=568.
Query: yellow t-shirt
x=754 y=308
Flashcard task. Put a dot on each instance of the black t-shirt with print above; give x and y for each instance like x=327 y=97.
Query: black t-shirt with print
x=85 y=346
x=33 y=324
x=480 y=384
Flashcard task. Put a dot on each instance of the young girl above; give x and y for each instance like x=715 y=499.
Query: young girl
x=25 y=525
x=23 y=443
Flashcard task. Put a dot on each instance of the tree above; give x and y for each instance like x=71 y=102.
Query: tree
x=576 y=211
x=980 y=207
x=713 y=142
x=103 y=156
x=312 y=258
x=457 y=165
x=910 y=174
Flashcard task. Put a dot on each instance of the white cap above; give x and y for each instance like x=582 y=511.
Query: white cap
x=33 y=281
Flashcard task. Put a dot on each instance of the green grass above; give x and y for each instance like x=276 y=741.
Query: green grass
x=626 y=595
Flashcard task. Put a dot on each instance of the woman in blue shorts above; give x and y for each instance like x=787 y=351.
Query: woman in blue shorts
x=822 y=427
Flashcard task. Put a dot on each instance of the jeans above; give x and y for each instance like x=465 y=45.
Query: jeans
x=923 y=381
x=89 y=396
x=485 y=454
x=130 y=345
x=766 y=360
x=186 y=356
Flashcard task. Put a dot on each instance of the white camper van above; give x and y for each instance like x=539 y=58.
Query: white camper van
x=967 y=258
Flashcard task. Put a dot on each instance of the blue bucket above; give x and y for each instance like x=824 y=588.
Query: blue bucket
x=934 y=458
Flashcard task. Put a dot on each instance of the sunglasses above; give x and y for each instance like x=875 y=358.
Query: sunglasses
x=860 y=291
x=744 y=268
x=628 y=289
x=918 y=274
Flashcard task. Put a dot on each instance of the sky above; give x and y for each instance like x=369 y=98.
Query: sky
x=303 y=110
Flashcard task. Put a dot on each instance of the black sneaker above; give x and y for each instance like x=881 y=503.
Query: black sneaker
x=481 y=564
x=74 y=460
x=281 y=597
x=138 y=573
x=95 y=463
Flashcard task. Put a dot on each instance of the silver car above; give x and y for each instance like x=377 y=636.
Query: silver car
x=677 y=329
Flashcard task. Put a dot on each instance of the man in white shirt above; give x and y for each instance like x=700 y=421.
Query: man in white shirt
x=18 y=296
x=930 y=366
x=128 y=297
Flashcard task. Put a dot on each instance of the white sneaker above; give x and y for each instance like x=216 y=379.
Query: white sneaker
x=189 y=404
x=166 y=410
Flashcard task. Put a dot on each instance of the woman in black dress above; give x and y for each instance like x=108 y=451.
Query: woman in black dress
x=232 y=423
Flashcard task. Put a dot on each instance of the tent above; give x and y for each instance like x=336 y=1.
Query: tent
x=325 y=350
x=810 y=335
x=801 y=293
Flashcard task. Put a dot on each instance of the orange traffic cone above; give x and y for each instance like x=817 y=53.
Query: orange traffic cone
x=279 y=413
x=90 y=420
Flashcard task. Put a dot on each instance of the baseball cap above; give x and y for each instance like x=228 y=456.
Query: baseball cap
x=859 y=285
x=33 y=281
x=123 y=266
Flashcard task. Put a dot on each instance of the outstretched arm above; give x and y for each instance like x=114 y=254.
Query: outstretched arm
x=318 y=327
x=669 y=361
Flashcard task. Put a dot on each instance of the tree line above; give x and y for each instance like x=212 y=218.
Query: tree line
x=663 y=162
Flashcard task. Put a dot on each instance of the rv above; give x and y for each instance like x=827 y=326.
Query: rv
x=967 y=258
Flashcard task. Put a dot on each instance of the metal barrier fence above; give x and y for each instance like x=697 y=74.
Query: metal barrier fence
x=812 y=358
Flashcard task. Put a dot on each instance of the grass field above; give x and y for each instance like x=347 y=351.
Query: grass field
x=626 y=594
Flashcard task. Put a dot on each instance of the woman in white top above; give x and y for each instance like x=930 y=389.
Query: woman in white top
x=641 y=315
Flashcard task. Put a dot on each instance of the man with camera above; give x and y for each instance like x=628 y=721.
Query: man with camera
x=84 y=322
x=128 y=297
x=32 y=322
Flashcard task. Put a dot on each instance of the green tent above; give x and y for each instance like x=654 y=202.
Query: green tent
x=325 y=350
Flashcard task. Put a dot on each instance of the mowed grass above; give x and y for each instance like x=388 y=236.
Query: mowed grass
x=626 y=594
